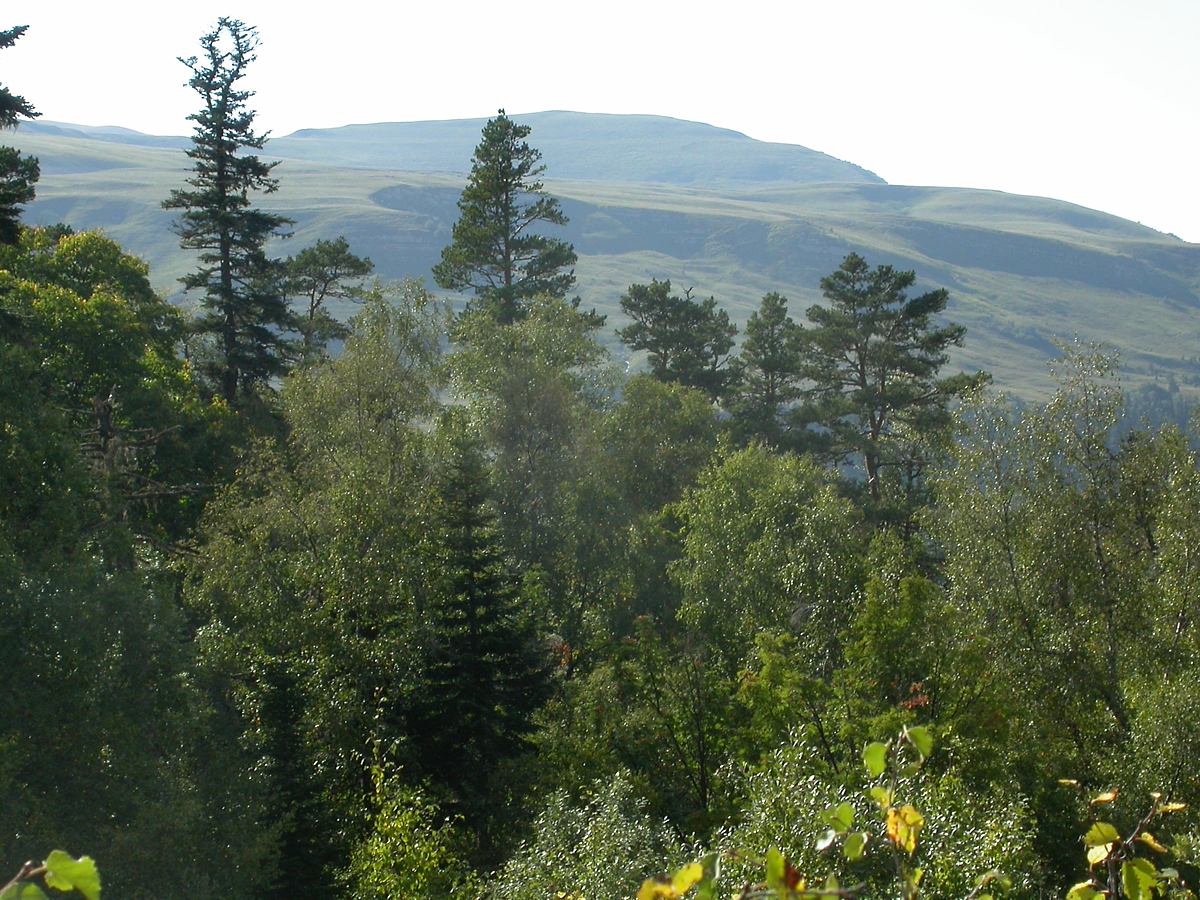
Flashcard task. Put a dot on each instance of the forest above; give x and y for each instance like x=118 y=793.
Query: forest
x=445 y=601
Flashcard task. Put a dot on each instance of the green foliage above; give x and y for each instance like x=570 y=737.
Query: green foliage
x=245 y=311
x=769 y=373
x=60 y=872
x=797 y=546
x=326 y=271
x=873 y=355
x=602 y=845
x=688 y=341
x=409 y=852
x=18 y=174
x=498 y=248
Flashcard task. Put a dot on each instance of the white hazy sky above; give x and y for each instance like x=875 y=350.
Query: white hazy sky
x=1092 y=101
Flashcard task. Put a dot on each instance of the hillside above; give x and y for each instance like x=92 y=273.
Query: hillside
x=651 y=197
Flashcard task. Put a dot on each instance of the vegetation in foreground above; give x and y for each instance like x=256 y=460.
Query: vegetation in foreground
x=808 y=619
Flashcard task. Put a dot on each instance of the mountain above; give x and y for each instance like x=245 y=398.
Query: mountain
x=651 y=197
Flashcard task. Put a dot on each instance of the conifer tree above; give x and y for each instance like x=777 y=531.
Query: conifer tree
x=768 y=371
x=497 y=248
x=873 y=356
x=245 y=309
x=484 y=680
x=18 y=173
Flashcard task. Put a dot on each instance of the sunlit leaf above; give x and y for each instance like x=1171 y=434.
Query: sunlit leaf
x=1098 y=854
x=1106 y=797
x=775 y=869
x=1101 y=833
x=1172 y=807
x=826 y=840
x=1085 y=890
x=23 y=890
x=1152 y=842
x=875 y=758
x=68 y=874
x=882 y=796
x=1138 y=877
x=855 y=844
x=683 y=880
x=841 y=817
x=903 y=825
x=656 y=889
x=921 y=739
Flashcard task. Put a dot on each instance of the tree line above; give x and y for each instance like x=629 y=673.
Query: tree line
x=464 y=609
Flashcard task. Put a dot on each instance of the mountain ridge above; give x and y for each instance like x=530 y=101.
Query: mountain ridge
x=1022 y=271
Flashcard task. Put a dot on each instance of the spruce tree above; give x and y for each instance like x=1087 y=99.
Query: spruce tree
x=497 y=248
x=484 y=679
x=245 y=310
x=18 y=173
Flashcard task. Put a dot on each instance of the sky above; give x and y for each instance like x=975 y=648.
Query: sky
x=1092 y=101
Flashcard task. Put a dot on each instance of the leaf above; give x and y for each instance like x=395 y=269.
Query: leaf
x=67 y=874
x=920 y=738
x=1069 y=782
x=1106 y=797
x=1085 y=890
x=875 y=758
x=903 y=826
x=1101 y=833
x=1152 y=842
x=1098 y=854
x=656 y=889
x=855 y=845
x=841 y=817
x=23 y=890
x=1138 y=877
x=683 y=880
x=1172 y=807
x=882 y=796
x=775 y=869
x=826 y=840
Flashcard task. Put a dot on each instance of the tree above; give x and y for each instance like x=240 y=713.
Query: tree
x=496 y=248
x=688 y=340
x=324 y=271
x=484 y=680
x=873 y=356
x=769 y=371
x=245 y=309
x=18 y=174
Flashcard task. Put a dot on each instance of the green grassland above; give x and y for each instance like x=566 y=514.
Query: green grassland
x=706 y=208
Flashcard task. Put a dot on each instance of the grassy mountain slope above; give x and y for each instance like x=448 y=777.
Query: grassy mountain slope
x=1021 y=270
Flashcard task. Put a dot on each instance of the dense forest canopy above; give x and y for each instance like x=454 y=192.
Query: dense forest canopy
x=431 y=603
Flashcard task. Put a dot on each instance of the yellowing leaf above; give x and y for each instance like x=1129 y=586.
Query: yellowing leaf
x=1106 y=797
x=683 y=880
x=903 y=826
x=1172 y=807
x=1085 y=890
x=1152 y=842
x=1069 y=782
x=1101 y=833
x=1098 y=854
x=656 y=889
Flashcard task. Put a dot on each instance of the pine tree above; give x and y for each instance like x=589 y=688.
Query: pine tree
x=768 y=372
x=688 y=340
x=873 y=355
x=245 y=309
x=18 y=173
x=497 y=249
x=484 y=681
